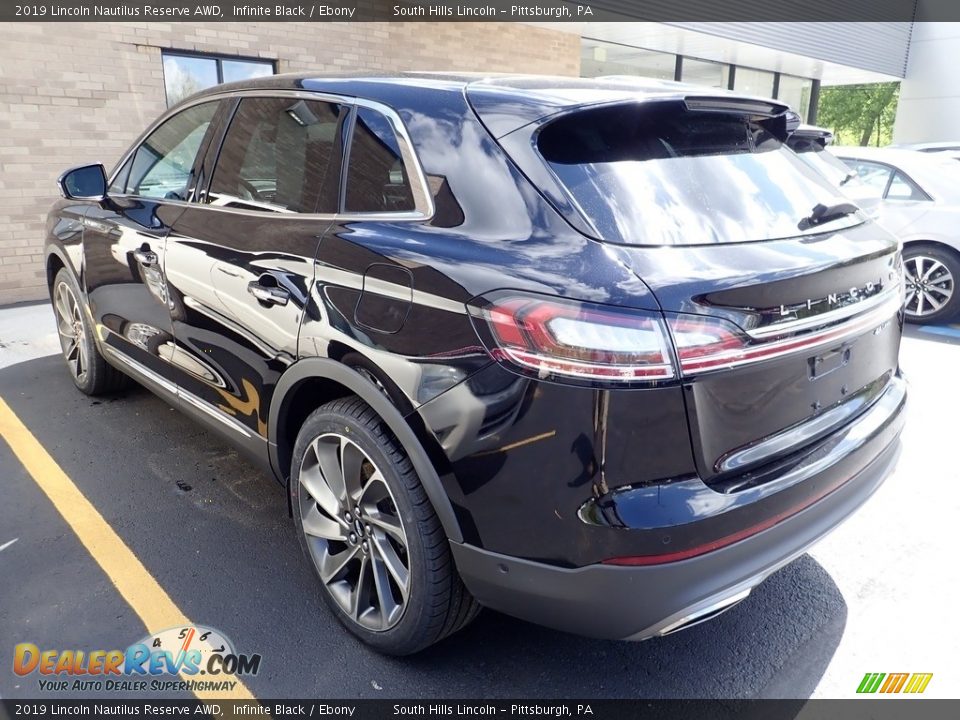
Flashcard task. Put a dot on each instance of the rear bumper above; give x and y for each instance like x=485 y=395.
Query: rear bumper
x=635 y=603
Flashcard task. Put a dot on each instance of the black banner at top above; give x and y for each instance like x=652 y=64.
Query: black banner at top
x=480 y=10
x=449 y=709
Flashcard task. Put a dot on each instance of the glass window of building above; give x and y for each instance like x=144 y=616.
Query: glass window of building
x=753 y=82
x=702 y=72
x=602 y=58
x=795 y=92
x=185 y=74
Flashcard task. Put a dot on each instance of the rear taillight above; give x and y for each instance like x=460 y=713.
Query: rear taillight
x=547 y=337
x=569 y=339
x=703 y=342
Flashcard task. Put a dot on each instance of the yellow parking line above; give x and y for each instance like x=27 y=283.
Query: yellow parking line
x=137 y=586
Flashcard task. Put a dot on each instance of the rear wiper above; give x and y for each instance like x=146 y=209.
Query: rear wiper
x=825 y=213
x=850 y=176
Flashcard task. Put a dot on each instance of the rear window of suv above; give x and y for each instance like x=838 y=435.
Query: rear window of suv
x=659 y=174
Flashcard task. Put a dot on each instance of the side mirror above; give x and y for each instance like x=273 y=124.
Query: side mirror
x=87 y=182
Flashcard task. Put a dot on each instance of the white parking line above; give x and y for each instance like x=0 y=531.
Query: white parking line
x=8 y=544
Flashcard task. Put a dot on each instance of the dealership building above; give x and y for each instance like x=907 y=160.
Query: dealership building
x=73 y=93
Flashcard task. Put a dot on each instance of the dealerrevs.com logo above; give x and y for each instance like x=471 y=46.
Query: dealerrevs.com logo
x=203 y=657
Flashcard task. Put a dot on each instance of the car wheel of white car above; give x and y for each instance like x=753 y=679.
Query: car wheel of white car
x=931 y=275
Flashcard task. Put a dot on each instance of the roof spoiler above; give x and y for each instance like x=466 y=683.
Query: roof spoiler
x=812 y=133
x=776 y=117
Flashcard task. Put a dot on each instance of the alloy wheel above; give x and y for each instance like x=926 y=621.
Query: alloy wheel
x=70 y=328
x=930 y=285
x=354 y=532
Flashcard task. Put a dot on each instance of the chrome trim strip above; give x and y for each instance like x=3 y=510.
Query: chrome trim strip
x=841 y=313
x=141 y=369
x=327 y=275
x=876 y=318
x=202 y=405
x=210 y=410
x=835 y=447
x=798 y=435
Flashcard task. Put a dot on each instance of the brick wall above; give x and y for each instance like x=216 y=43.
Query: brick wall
x=72 y=93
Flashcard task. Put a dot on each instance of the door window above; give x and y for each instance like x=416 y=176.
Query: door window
x=280 y=155
x=377 y=178
x=162 y=164
x=873 y=175
x=903 y=188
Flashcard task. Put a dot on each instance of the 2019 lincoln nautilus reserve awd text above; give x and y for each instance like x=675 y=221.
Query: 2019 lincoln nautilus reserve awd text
x=598 y=354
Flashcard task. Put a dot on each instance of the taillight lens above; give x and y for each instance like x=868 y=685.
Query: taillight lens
x=597 y=343
x=555 y=337
x=704 y=343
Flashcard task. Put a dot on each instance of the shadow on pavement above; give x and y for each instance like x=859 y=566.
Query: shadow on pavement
x=214 y=532
x=775 y=644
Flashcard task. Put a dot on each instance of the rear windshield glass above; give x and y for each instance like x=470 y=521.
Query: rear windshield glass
x=658 y=174
x=837 y=172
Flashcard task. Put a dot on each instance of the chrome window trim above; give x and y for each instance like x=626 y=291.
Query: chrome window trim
x=423 y=199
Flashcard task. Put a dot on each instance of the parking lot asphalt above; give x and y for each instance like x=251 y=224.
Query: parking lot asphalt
x=213 y=532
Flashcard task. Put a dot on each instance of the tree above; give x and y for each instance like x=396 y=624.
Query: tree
x=860 y=113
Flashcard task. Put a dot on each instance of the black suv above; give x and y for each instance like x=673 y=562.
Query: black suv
x=598 y=354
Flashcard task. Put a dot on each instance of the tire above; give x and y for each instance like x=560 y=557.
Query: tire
x=387 y=572
x=932 y=273
x=88 y=370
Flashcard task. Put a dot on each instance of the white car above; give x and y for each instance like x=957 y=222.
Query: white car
x=916 y=196
x=810 y=143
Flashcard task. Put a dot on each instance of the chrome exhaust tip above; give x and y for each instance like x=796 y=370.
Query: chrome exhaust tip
x=708 y=612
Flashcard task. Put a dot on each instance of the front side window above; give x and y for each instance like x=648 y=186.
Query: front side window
x=377 y=178
x=659 y=174
x=280 y=155
x=161 y=166
x=119 y=184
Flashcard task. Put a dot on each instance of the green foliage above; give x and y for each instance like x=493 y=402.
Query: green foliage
x=860 y=114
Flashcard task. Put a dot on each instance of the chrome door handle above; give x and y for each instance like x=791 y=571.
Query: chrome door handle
x=269 y=295
x=145 y=257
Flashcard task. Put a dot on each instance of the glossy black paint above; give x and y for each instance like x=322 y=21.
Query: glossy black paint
x=535 y=469
x=124 y=244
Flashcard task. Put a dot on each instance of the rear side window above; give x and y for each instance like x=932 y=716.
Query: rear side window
x=377 y=178
x=658 y=174
x=280 y=155
x=162 y=164
x=903 y=188
x=873 y=175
